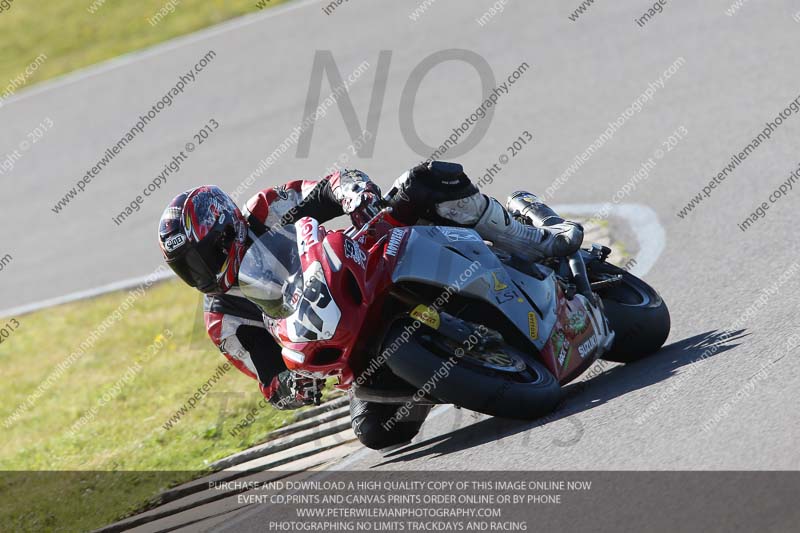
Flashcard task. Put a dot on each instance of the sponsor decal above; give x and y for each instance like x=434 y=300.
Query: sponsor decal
x=307 y=236
x=498 y=285
x=576 y=322
x=175 y=242
x=394 y=243
x=563 y=355
x=587 y=347
x=533 y=325
x=507 y=296
x=355 y=253
x=561 y=348
x=460 y=234
x=282 y=192
x=298 y=292
x=426 y=315
x=317 y=315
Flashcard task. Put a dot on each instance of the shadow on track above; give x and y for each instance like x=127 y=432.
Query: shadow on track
x=610 y=383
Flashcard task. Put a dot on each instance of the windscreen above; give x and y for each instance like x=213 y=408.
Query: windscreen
x=271 y=275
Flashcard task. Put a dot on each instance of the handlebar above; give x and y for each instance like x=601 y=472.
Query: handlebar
x=354 y=234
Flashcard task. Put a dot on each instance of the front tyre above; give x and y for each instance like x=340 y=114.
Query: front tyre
x=498 y=381
x=636 y=312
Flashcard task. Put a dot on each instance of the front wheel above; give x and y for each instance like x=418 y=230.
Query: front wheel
x=498 y=380
x=636 y=312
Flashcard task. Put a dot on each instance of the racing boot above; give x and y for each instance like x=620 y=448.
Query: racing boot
x=567 y=236
x=529 y=229
x=441 y=193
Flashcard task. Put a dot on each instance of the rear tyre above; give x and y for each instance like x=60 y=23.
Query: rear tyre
x=636 y=312
x=499 y=381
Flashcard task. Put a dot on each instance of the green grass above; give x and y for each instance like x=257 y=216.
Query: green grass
x=71 y=37
x=126 y=434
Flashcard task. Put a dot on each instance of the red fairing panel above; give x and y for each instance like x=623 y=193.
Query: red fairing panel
x=323 y=334
x=569 y=341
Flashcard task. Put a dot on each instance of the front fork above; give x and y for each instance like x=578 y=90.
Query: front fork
x=577 y=267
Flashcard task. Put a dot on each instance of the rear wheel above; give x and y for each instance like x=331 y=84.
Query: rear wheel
x=497 y=380
x=636 y=312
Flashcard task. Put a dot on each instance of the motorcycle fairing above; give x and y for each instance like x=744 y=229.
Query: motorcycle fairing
x=573 y=343
x=351 y=282
x=459 y=258
x=317 y=316
x=468 y=265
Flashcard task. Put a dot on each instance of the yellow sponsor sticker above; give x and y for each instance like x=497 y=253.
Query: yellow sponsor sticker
x=533 y=325
x=426 y=315
x=498 y=285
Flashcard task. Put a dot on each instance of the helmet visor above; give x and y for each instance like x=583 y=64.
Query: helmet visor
x=271 y=275
x=194 y=271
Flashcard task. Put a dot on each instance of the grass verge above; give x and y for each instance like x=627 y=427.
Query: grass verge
x=66 y=35
x=126 y=408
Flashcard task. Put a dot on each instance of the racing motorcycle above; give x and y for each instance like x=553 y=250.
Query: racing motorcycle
x=432 y=314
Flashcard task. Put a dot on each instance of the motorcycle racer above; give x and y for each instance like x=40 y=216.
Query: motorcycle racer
x=203 y=236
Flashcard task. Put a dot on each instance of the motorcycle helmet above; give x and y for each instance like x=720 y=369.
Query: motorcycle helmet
x=203 y=238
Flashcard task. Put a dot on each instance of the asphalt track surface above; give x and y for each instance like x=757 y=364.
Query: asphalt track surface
x=739 y=72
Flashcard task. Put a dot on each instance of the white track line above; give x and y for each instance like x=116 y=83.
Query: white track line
x=83 y=295
x=650 y=234
x=172 y=44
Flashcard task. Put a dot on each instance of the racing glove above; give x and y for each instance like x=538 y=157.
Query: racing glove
x=359 y=196
x=417 y=193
